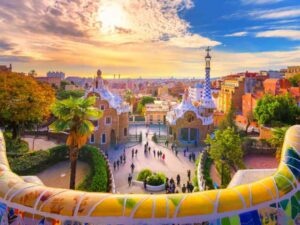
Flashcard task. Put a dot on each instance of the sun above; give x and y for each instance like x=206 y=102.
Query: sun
x=112 y=15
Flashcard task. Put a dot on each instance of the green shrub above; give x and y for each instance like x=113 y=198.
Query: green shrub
x=17 y=146
x=98 y=178
x=154 y=138
x=206 y=173
x=144 y=174
x=34 y=162
x=156 y=179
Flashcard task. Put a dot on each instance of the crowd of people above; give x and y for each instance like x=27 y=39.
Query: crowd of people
x=159 y=154
x=172 y=187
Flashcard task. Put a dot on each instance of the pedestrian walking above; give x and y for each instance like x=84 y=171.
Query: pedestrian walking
x=145 y=183
x=124 y=158
x=136 y=152
x=115 y=165
x=132 y=167
x=183 y=189
x=129 y=179
x=154 y=153
x=121 y=159
x=189 y=174
x=184 y=152
x=176 y=153
x=118 y=164
x=132 y=153
x=163 y=157
x=178 y=179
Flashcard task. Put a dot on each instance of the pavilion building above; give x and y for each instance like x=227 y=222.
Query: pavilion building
x=112 y=128
x=190 y=124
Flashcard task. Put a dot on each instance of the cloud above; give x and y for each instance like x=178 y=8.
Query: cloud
x=260 y=2
x=18 y=59
x=288 y=34
x=6 y=45
x=280 y=13
x=237 y=34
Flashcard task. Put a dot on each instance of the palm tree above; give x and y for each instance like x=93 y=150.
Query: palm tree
x=278 y=139
x=74 y=115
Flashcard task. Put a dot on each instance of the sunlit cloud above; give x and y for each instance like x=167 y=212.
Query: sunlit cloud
x=280 y=13
x=260 y=2
x=237 y=34
x=288 y=34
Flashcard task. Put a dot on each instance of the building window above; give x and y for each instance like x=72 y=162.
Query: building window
x=125 y=131
x=92 y=138
x=96 y=124
x=102 y=107
x=103 y=139
x=108 y=120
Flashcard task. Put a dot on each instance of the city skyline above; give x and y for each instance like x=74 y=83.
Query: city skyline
x=149 y=39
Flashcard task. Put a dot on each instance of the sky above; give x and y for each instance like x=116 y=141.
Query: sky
x=149 y=38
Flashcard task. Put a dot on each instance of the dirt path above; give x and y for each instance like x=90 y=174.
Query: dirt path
x=59 y=175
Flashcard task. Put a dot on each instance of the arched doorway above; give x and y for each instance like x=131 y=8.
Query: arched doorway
x=113 y=138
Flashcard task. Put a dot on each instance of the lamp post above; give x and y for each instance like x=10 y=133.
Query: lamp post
x=158 y=128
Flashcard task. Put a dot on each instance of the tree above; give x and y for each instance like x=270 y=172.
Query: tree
x=63 y=94
x=32 y=73
x=24 y=102
x=276 y=110
x=129 y=97
x=278 y=139
x=74 y=115
x=225 y=150
x=295 y=80
x=144 y=100
x=229 y=120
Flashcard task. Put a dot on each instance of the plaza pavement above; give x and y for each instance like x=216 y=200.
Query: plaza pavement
x=171 y=166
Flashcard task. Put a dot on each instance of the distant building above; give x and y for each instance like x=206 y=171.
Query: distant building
x=112 y=128
x=275 y=86
x=272 y=74
x=231 y=93
x=52 y=74
x=189 y=124
x=4 y=68
x=292 y=71
x=72 y=87
x=156 y=112
x=54 y=81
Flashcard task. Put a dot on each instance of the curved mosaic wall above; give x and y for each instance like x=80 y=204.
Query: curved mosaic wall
x=273 y=200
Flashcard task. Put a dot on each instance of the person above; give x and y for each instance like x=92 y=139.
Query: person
x=154 y=153
x=178 y=179
x=189 y=174
x=149 y=150
x=132 y=167
x=188 y=186
x=118 y=164
x=190 y=157
x=129 y=179
x=184 y=151
x=145 y=183
x=121 y=159
x=136 y=152
x=163 y=157
x=183 y=189
x=176 y=152
x=124 y=158
x=191 y=187
x=132 y=153
x=115 y=165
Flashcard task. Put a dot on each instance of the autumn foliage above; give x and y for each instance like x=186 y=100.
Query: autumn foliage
x=24 y=101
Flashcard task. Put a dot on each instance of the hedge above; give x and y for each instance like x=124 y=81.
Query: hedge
x=144 y=174
x=35 y=162
x=156 y=179
x=98 y=178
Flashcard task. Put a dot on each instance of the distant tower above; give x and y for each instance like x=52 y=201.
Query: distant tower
x=99 y=81
x=207 y=101
x=119 y=76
